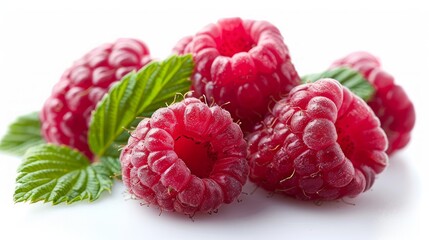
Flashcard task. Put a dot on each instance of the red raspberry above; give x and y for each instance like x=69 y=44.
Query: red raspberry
x=390 y=102
x=242 y=65
x=322 y=142
x=188 y=157
x=66 y=114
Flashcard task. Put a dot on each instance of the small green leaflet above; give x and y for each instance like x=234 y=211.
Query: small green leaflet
x=58 y=174
x=22 y=134
x=137 y=94
x=349 y=78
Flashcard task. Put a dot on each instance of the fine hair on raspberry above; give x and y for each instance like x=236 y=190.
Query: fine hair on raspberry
x=188 y=157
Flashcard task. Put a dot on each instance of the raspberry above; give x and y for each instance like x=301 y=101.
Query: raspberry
x=188 y=157
x=242 y=65
x=66 y=114
x=390 y=102
x=322 y=142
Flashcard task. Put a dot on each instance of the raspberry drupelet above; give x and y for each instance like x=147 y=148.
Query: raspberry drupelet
x=390 y=103
x=187 y=158
x=243 y=65
x=322 y=142
x=66 y=114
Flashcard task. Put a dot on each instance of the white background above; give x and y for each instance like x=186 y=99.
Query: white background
x=40 y=39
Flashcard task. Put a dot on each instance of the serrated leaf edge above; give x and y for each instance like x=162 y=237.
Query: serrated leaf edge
x=58 y=190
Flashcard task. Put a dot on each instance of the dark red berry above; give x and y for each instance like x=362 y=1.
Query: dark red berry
x=322 y=142
x=242 y=65
x=66 y=114
x=187 y=157
x=390 y=103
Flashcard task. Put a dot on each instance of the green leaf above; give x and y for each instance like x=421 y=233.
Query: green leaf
x=58 y=174
x=138 y=93
x=113 y=165
x=22 y=134
x=349 y=78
